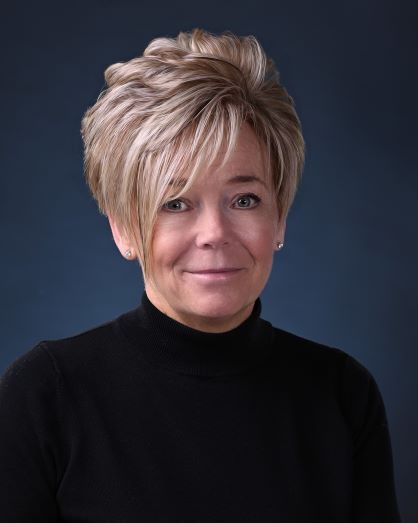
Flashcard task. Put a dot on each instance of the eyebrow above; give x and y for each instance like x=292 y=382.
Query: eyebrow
x=239 y=178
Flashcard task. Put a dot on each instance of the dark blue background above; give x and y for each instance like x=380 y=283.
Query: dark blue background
x=347 y=276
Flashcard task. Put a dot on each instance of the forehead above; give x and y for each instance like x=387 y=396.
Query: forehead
x=248 y=154
x=246 y=164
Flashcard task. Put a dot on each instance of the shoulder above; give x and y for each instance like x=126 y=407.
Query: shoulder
x=332 y=368
x=307 y=353
x=34 y=367
x=304 y=354
x=50 y=358
x=30 y=391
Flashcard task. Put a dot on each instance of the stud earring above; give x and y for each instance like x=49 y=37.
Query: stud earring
x=128 y=253
x=279 y=245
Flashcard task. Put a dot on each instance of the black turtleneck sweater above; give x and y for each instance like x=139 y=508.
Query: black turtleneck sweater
x=143 y=419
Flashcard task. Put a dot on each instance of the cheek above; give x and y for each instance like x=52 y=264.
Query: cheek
x=259 y=240
x=168 y=245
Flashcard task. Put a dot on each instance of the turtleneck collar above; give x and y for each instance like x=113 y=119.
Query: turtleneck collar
x=174 y=346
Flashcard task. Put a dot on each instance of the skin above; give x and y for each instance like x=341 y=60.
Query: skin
x=227 y=220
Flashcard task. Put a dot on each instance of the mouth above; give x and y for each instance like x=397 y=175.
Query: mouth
x=215 y=275
x=216 y=271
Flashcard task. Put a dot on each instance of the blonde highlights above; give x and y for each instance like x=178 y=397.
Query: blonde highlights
x=173 y=111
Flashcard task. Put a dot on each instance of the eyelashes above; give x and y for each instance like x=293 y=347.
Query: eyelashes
x=173 y=205
x=242 y=201
x=247 y=198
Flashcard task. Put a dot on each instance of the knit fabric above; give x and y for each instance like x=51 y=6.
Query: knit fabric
x=143 y=419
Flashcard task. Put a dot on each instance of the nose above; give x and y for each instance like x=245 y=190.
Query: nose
x=212 y=228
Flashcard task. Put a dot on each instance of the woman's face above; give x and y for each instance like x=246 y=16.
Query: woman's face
x=213 y=248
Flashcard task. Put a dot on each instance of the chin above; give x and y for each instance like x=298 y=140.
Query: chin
x=217 y=306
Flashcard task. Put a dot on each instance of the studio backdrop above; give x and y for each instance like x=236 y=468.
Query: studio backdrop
x=347 y=276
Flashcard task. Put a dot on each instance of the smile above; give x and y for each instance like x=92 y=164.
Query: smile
x=215 y=274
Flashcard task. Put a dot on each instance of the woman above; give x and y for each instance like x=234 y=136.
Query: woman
x=191 y=408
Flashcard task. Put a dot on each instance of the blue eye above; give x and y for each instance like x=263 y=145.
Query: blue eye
x=174 y=205
x=247 y=201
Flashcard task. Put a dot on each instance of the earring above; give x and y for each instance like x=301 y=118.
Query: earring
x=279 y=245
x=128 y=253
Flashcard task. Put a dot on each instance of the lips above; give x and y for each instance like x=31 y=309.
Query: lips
x=215 y=271
x=215 y=276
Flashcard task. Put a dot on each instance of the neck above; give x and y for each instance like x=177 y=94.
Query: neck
x=209 y=324
x=167 y=343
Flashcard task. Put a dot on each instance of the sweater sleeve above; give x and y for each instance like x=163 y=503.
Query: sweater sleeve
x=28 y=428
x=374 y=495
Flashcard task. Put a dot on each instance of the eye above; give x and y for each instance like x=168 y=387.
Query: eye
x=176 y=205
x=247 y=201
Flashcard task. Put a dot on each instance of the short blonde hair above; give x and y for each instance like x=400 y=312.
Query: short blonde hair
x=170 y=113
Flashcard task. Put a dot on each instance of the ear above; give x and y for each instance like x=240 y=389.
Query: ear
x=281 y=231
x=121 y=241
